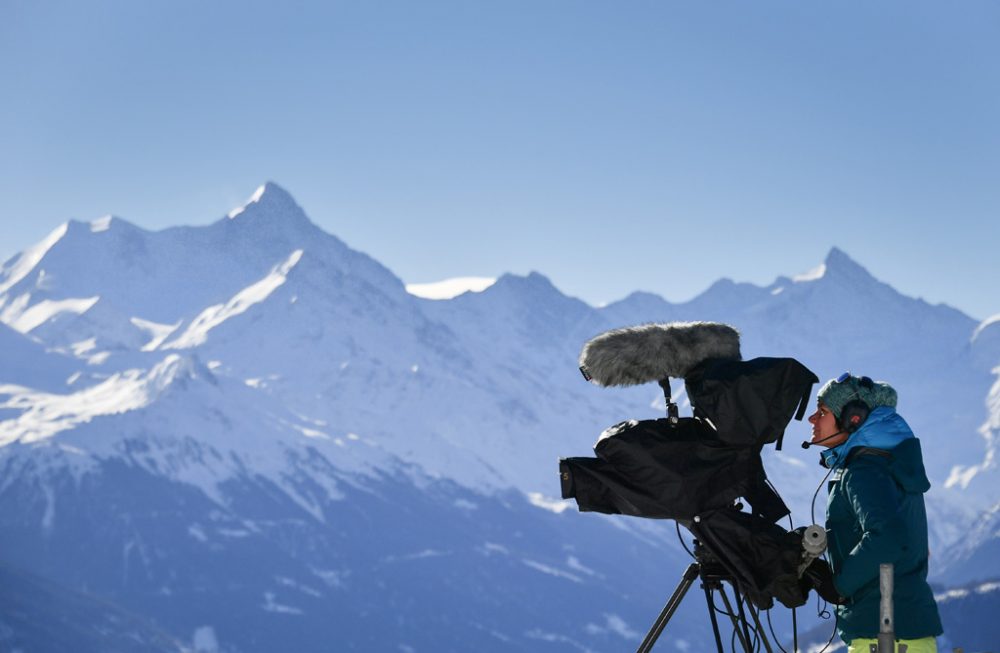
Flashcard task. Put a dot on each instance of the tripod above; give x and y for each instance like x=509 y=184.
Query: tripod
x=712 y=573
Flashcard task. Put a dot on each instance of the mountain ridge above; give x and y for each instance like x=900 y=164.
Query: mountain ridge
x=311 y=383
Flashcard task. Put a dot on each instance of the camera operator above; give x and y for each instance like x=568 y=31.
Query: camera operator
x=875 y=512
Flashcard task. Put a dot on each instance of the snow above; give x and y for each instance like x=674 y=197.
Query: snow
x=213 y=316
x=541 y=635
x=573 y=563
x=812 y=275
x=49 y=517
x=26 y=262
x=552 y=505
x=310 y=433
x=616 y=625
x=271 y=605
x=101 y=224
x=204 y=640
x=985 y=324
x=81 y=348
x=156 y=332
x=305 y=589
x=982 y=588
x=552 y=571
x=489 y=548
x=416 y=555
x=449 y=288
x=257 y=194
x=27 y=318
x=197 y=532
x=962 y=476
x=44 y=415
x=333 y=578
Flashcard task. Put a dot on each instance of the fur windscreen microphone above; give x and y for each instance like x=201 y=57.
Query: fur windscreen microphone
x=652 y=352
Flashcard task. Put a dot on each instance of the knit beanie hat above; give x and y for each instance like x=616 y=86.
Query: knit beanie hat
x=836 y=393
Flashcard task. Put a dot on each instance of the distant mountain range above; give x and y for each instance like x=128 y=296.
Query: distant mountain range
x=249 y=437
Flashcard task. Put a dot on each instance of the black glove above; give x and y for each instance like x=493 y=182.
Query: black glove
x=820 y=577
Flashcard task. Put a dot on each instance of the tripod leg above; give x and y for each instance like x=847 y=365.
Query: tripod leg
x=760 y=629
x=668 y=610
x=740 y=599
x=736 y=626
x=711 y=613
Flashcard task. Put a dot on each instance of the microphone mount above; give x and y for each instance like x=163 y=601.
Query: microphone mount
x=672 y=413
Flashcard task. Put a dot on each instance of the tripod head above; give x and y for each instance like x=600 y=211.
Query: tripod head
x=711 y=568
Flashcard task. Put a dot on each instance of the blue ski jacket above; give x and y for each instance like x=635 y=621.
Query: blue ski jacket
x=875 y=514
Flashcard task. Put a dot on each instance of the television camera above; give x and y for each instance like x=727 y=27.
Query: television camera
x=698 y=470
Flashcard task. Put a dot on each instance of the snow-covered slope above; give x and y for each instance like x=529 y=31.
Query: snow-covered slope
x=241 y=429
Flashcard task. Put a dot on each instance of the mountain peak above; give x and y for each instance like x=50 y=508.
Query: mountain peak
x=532 y=282
x=270 y=198
x=838 y=262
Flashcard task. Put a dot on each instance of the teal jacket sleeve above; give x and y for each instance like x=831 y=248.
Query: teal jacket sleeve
x=876 y=501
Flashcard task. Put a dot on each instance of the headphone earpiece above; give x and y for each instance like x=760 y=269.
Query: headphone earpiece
x=853 y=415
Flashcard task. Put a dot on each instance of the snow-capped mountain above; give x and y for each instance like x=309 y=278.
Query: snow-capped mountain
x=253 y=437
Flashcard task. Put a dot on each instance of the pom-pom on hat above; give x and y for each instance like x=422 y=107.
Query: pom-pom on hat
x=836 y=393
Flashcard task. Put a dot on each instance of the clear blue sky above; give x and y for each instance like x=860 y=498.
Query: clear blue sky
x=613 y=146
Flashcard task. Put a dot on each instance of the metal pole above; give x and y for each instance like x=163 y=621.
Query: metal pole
x=886 y=628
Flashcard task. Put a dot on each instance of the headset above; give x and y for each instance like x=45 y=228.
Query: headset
x=852 y=415
x=855 y=412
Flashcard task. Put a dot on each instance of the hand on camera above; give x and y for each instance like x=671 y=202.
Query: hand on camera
x=820 y=578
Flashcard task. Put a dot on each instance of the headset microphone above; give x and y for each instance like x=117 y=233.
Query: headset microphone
x=807 y=444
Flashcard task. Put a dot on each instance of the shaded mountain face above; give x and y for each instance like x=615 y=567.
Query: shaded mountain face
x=251 y=435
x=39 y=615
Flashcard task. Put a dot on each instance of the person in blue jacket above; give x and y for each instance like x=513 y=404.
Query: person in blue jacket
x=875 y=512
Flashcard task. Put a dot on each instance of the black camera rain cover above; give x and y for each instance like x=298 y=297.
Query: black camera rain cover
x=750 y=402
x=652 y=468
x=761 y=556
x=699 y=466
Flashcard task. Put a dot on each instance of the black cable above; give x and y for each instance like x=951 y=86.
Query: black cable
x=721 y=611
x=791 y=524
x=823 y=613
x=821 y=604
x=775 y=636
x=683 y=543
x=739 y=621
x=754 y=644
x=812 y=506
x=830 y=641
x=735 y=618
